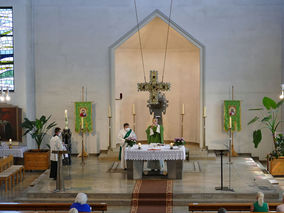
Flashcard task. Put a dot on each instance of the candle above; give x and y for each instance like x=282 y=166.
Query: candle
x=10 y=141
x=182 y=109
x=109 y=111
x=82 y=123
x=66 y=119
x=139 y=145
x=230 y=123
x=133 y=109
x=204 y=112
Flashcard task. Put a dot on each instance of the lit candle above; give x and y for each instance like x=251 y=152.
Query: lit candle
x=133 y=109
x=182 y=109
x=82 y=123
x=171 y=145
x=10 y=141
x=204 y=112
x=139 y=145
x=66 y=119
x=230 y=123
x=109 y=111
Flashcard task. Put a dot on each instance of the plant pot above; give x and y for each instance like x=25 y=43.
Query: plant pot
x=276 y=166
x=35 y=159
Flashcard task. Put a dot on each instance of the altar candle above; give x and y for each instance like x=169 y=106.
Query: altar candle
x=66 y=119
x=204 y=112
x=109 y=111
x=82 y=123
x=133 y=109
x=171 y=144
x=230 y=122
x=139 y=145
x=182 y=109
x=10 y=141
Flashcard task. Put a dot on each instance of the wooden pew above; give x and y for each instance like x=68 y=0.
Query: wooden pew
x=47 y=206
x=228 y=206
x=8 y=171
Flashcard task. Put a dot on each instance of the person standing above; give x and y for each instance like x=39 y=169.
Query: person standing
x=123 y=134
x=55 y=145
x=155 y=134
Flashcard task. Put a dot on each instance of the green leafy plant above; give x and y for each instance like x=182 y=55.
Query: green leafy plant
x=38 y=128
x=269 y=120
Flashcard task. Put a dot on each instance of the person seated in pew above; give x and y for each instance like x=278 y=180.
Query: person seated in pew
x=80 y=203
x=259 y=205
x=73 y=210
x=222 y=210
x=280 y=208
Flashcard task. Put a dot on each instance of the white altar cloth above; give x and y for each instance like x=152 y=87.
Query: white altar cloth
x=149 y=152
x=16 y=151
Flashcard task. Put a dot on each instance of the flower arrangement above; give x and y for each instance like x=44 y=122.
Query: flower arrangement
x=130 y=141
x=179 y=142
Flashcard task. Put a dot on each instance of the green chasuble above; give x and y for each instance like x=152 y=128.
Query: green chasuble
x=156 y=137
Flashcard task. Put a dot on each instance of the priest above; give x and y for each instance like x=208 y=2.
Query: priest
x=123 y=134
x=155 y=134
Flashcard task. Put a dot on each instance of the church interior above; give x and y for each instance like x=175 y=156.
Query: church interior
x=143 y=106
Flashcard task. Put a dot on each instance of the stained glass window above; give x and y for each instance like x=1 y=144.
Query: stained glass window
x=6 y=49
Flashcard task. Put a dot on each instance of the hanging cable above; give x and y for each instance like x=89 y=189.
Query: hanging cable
x=140 y=42
x=167 y=39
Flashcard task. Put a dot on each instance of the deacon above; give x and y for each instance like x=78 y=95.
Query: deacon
x=155 y=134
x=55 y=145
x=123 y=134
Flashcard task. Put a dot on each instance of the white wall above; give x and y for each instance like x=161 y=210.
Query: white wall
x=24 y=95
x=243 y=47
x=182 y=71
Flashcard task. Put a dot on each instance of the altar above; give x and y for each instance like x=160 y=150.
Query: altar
x=135 y=158
x=16 y=151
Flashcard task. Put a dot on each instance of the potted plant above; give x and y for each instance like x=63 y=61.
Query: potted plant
x=130 y=141
x=37 y=159
x=179 y=142
x=270 y=120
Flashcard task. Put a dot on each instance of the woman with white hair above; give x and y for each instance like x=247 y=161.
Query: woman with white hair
x=259 y=205
x=80 y=203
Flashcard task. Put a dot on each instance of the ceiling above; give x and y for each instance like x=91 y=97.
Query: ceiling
x=154 y=35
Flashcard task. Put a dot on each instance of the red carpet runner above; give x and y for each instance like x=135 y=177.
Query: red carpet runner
x=152 y=196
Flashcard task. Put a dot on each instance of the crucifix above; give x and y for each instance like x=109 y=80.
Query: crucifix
x=157 y=102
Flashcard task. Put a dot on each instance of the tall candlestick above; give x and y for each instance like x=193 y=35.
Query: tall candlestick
x=82 y=123
x=109 y=111
x=182 y=109
x=230 y=122
x=133 y=109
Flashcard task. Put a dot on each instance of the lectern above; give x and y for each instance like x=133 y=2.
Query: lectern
x=222 y=152
x=59 y=178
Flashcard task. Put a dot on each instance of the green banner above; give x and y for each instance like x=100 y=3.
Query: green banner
x=83 y=114
x=232 y=109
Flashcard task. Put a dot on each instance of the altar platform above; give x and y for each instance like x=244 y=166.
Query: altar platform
x=200 y=177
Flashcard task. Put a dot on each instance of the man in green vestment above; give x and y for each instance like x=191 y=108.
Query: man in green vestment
x=155 y=134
